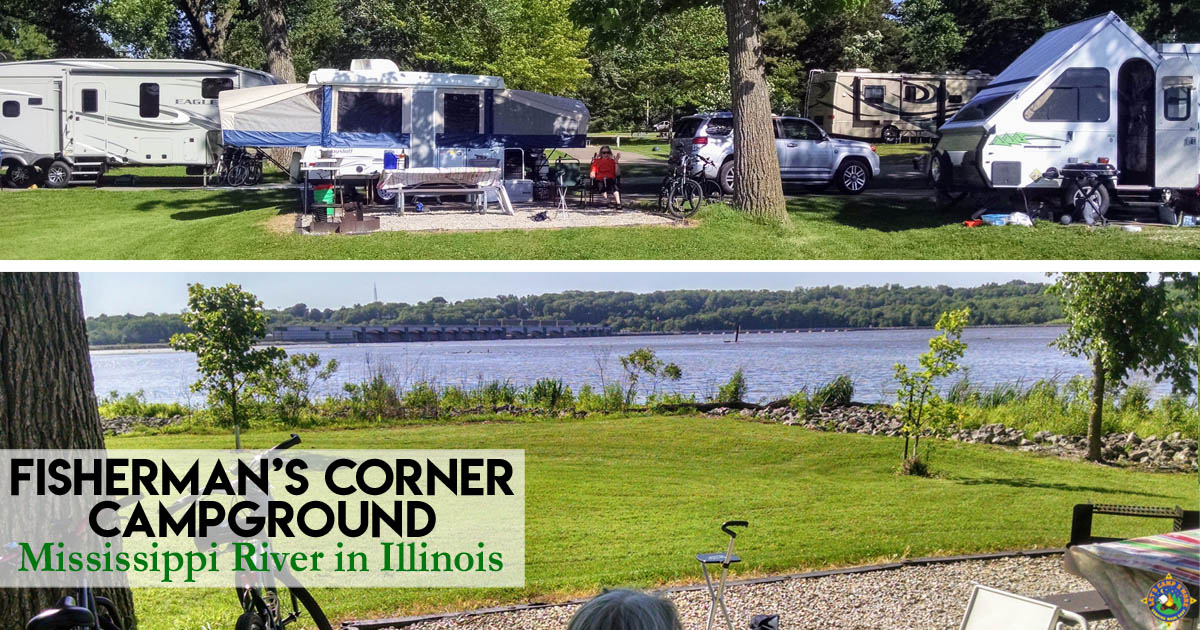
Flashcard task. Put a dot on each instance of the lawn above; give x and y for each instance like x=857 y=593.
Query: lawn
x=196 y=224
x=631 y=501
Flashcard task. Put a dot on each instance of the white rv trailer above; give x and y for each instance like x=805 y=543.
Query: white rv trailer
x=887 y=106
x=1088 y=95
x=65 y=121
x=427 y=119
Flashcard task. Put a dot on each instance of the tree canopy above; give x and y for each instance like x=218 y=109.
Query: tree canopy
x=1013 y=303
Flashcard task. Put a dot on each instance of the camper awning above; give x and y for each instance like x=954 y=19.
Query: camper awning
x=286 y=115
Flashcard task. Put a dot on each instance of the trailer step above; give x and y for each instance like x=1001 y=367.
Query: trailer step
x=88 y=170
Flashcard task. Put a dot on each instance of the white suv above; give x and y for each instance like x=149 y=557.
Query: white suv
x=807 y=155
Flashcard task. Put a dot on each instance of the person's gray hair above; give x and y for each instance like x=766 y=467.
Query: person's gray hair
x=626 y=610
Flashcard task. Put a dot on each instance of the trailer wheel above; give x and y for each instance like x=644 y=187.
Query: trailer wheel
x=889 y=135
x=58 y=174
x=21 y=176
x=1089 y=197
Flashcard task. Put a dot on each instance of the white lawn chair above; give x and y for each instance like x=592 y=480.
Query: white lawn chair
x=993 y=609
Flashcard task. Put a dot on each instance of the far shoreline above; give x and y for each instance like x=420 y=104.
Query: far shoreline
x=134 y=348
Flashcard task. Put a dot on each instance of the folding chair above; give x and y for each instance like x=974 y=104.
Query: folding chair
x=994 y=609
x=567 y=176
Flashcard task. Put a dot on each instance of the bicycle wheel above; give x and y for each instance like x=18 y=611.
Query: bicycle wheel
x=237 y=175
x=664 y=191
x=685 y=199
x=713 y=193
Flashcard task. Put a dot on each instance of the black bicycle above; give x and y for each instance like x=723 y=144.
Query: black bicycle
x=239 y=168
x=269 y=601
x=682 y=192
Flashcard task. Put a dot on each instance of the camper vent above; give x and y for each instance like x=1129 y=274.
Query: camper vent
x=373 y=65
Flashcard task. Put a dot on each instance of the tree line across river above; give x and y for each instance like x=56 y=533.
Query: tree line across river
x=1012 y=303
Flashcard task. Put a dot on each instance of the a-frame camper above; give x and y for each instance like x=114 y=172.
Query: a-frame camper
x=1091 y=103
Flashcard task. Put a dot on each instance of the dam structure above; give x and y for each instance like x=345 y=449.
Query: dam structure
x=483 y=330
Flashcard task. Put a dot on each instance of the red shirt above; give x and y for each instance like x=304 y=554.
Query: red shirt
x=604 y=168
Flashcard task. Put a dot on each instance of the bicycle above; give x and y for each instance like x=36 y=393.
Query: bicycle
x=681 y=193
x=263 y=603
x=238 y=168
x=82 y=611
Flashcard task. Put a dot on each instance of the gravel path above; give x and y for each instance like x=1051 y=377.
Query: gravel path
x=915 y=597
x=463 y=219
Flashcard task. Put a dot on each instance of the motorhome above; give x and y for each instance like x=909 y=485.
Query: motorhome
x=65 y=121
x=887 y=107
x=1089 y=97
x=373 y=112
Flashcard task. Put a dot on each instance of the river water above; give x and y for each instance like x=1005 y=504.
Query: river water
x=774 y=364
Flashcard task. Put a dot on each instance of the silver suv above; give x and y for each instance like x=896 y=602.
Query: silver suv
x=807 y=155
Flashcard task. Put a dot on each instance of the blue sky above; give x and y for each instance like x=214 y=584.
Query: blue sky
x=116 y=293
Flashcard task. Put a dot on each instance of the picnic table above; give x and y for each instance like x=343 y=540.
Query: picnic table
x=446 y=181
x=1123 y=572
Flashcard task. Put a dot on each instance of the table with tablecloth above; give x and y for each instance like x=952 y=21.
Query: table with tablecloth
x=1123 y=572
x=469 y=180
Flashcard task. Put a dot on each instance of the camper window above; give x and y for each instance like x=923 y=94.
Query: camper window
x=982 y=108
x=11 y=109
x=1177 y=98
x=461 y=113
x=370 y=112
x=1078 y=95
x=211 y=88
x=873 y=93
x=89 y=101
x=148 y=101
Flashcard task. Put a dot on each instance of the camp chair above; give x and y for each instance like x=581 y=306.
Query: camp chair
x=994 y=609
x=567 y=176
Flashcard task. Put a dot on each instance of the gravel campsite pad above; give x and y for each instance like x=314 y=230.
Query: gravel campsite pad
x=912 y=597
x=465 y=220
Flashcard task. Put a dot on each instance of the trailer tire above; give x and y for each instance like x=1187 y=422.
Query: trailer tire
x=58 y=174
x=20 y=176
x=1073 y=200
x=941 y=171
x=889 y=135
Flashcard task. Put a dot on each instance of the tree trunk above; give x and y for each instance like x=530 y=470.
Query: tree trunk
x=1094 y=429
x=47 y=399
x=275 y=40
x=758 y=188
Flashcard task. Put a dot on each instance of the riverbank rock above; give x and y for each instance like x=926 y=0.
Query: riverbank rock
x=125 y=424
x=1172 y=453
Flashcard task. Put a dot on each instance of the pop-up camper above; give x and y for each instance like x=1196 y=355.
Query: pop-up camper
x=1090 y=97
x=428 y=119
x=887 y=106
x=65 y=121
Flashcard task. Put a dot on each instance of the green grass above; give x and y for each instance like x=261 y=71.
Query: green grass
x=627 y=501
x=173 y=224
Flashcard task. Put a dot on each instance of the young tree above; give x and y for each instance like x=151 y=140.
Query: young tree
x=643 y=361
x=47 y=398
x=226 y=323
x=1125 y=325
x=917 y=399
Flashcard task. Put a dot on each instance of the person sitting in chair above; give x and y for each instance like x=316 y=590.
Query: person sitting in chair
x=606 y=174
x=626 y=610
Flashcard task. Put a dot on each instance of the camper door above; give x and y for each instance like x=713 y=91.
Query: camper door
x=1177 y=148
x=87 y=129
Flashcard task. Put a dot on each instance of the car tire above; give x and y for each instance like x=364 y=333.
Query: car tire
x=725 y=176
x=20 y=176
x=58 y=174
x=889 y=135
x=852 y=176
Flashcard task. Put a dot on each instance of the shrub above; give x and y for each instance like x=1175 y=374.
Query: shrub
x=836 y=393
x=1135 y=399
x=376 y=398
x=422 y=399
x=660 y=402
x=550 y=394
x=735 y=390
x=454 y=398
x=915 y=466
x=496 y=394
x=285 y=386
x=135 y=405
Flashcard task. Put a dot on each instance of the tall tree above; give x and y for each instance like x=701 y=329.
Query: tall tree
x=47 y=398
x=275 y=42
x=759 y=189
x=1124 y=325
